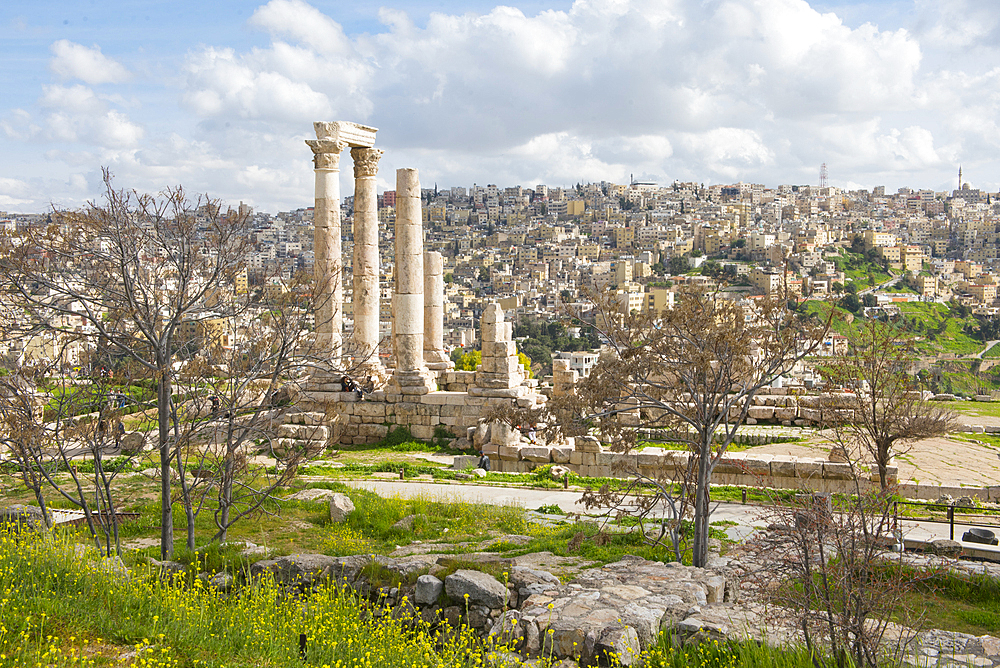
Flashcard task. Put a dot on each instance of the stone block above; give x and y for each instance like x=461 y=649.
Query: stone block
x=423 y=432
x=463 y=462
x=491 y=450
x=510 y=452
x=503 y=434
x=561 y=454
x=539 y=454
x=576 y=458
x=759 y=465
x=374 y=431
x=785 y=413
x=783 y=467
x=837 y=471
x=587 y=444
x=369 y=409
x=761 y=412
x=809 y=468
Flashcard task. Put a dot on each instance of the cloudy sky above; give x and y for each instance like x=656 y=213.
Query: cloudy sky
x=219 y=96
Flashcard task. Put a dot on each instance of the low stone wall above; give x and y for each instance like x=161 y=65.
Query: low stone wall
x=357 y=421
x=586 y=457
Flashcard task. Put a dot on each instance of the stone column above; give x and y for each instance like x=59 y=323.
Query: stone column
x=434 y=354
x=411 y=375
x=366 y=261
x=326 y=246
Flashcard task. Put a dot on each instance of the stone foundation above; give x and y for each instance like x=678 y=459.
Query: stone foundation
x=356 y=422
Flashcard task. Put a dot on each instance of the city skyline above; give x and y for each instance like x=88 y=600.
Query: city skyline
x=220 y=99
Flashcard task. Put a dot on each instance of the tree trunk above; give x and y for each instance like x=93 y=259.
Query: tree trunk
x=699 y=551
x=40 y=498
x=166 y=510
x=225 y=498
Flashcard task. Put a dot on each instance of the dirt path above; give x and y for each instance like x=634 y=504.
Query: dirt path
x=935 y=461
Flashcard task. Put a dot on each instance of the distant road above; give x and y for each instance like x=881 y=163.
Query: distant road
x=747 y=517
x=989 y=344
x=881 y=286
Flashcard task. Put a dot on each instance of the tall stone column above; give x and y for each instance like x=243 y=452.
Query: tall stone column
x=366 y=261
x=327 y=247
x=411 y=375
x=435 y=356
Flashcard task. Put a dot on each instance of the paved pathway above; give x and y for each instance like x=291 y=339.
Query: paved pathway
x=747 y=517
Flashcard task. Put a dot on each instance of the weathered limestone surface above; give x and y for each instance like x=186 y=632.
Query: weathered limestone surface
x=619 y=608
x=326 y=244
x=332 y=137
x=435 y=356
x=366 y=261
x=411 y=376
x=500 y=374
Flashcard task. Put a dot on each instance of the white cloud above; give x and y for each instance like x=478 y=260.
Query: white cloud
x=77 y=114
x=75 y=61
x=713 y=90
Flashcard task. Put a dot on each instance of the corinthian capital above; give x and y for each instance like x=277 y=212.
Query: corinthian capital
x=326 y=152
x=365 y=161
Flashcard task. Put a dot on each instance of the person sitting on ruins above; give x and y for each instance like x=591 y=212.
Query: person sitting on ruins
x=350 y=386
x=484 y=461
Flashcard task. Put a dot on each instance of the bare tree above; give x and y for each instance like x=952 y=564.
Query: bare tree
x=237 y=389
x=889 y=414
x=833 y=568
x=73 y=432
x=22 y=433
x=690 y=372
x=124 y=276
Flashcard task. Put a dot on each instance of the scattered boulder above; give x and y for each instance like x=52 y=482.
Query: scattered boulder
x=168 y=568
x=340 y=507
x=133 y=443
x=558 y=471
x=312 y=495
x=405 y=524
x=428 y=590
x=223 y=581
x=481 y=588
x=946 y=548
x=18 y=518
x=310 y=569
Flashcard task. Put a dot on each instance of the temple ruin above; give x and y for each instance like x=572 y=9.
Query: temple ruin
x=420 y=388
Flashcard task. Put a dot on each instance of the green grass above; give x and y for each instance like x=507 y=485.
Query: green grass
x=60 y=609
x=856 y=268
x=956 y=603
x=943 y=330
x=977 y=408
x=993 y=352
x=714 y=654
x=939 y=329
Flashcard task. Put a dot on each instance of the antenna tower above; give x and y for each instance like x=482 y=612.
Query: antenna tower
x=823 y=181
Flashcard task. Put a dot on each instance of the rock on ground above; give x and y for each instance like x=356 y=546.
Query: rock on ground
x=340 y=507
x=482 y=589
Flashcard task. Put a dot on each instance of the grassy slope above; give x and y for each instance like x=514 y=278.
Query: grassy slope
x=931 y=315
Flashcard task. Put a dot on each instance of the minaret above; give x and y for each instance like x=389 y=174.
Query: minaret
x=960 y=177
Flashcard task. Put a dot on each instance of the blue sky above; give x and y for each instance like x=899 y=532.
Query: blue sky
x=219 y=96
